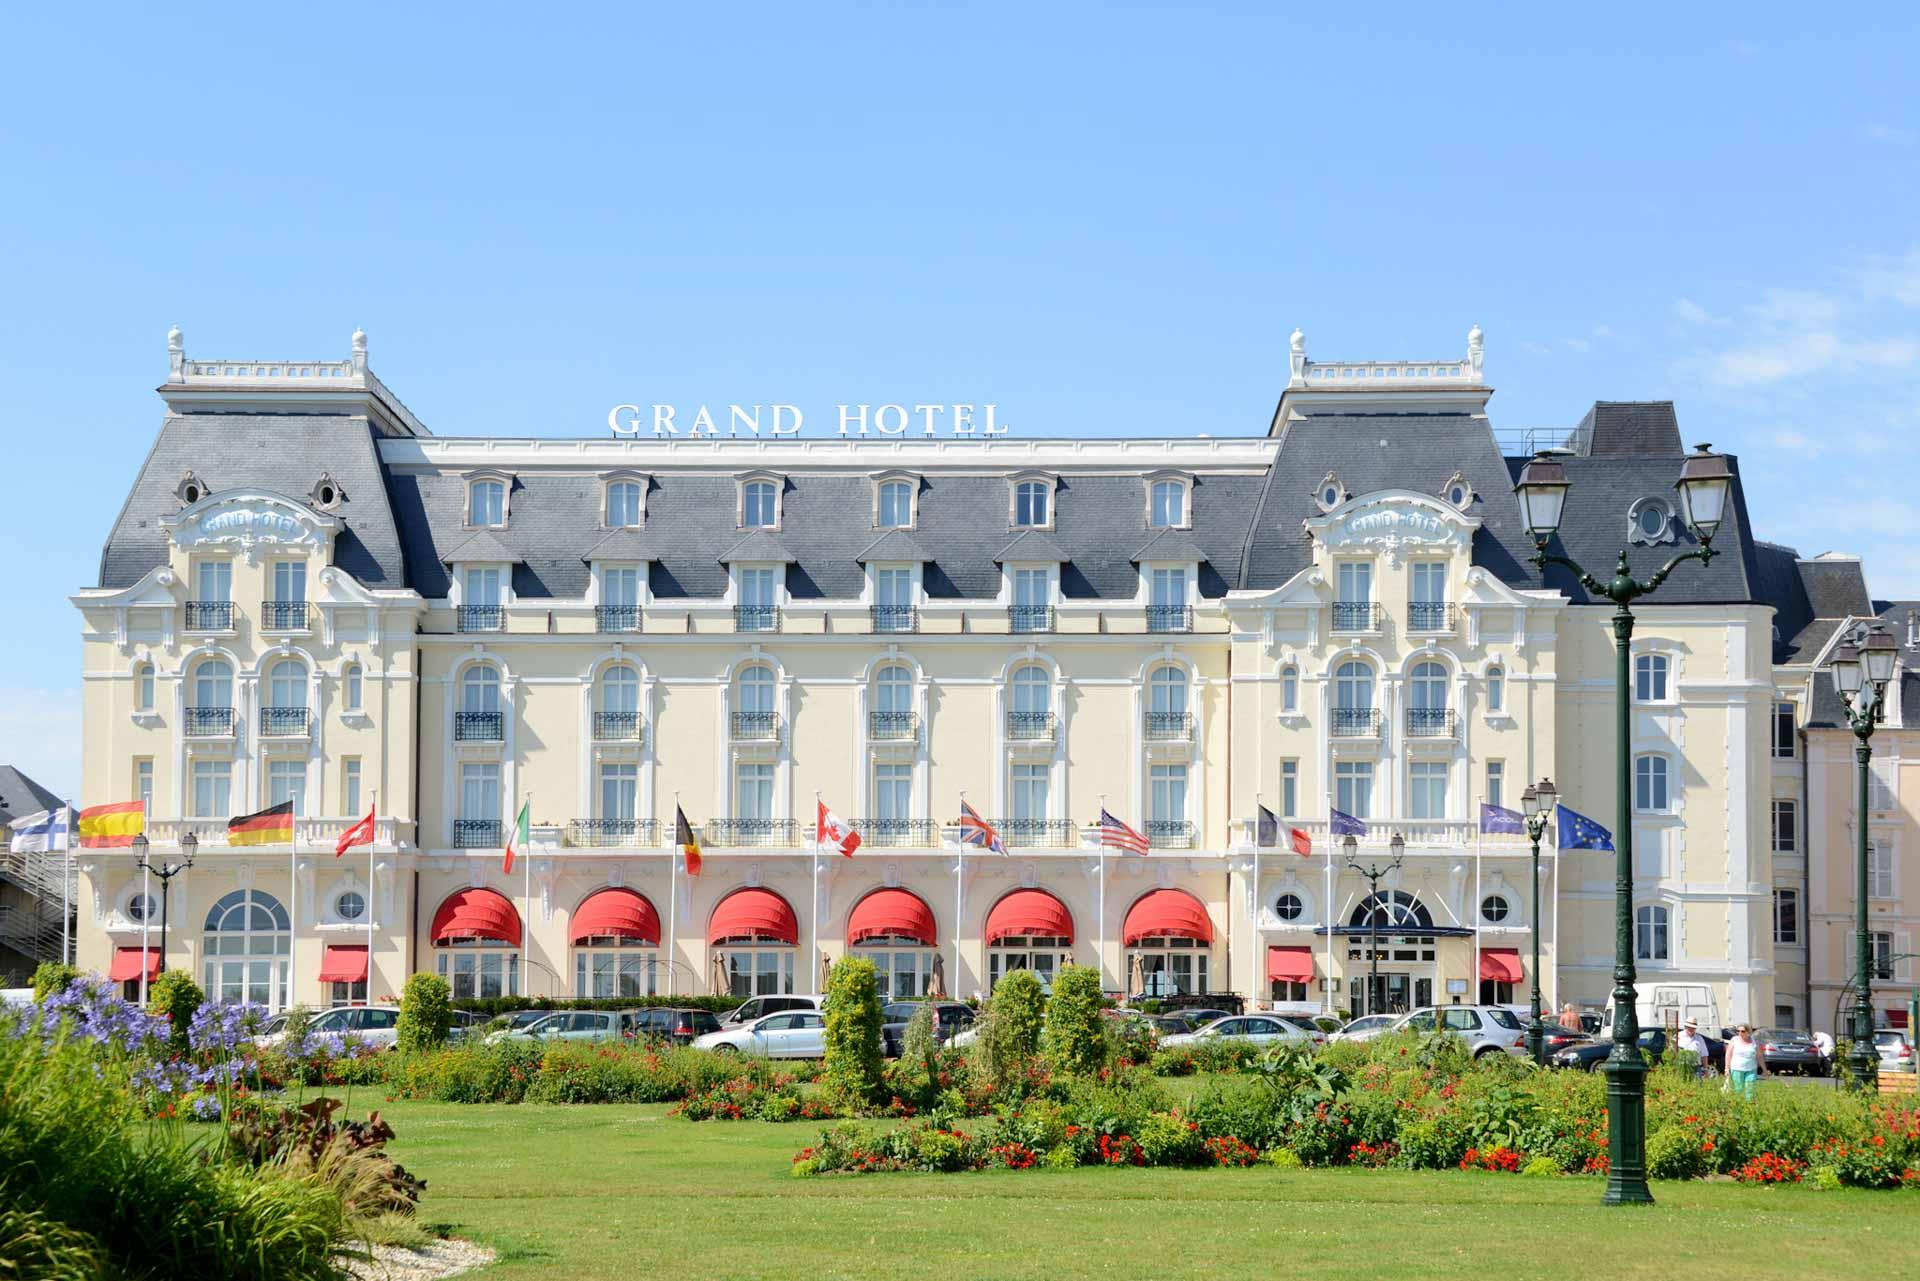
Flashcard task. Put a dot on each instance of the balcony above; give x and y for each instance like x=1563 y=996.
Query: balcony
x=1430 y=722
x=1356 y=722
x=480 y=618
x=1029 y=727
x=895 y=618
x=894 y=832
x=752 y=831
x=1166 y=727
x=285 y=615
x=209 y=615
x=1030 y=618
x=284 y=722
x=619 y=727
x=893 y=727
x=605 y=833
x=479 y=727
x=1356 y=616
x=1170 y=833
x=1434 y=617
x=755 y=727
x=1038 y=833
x=756 y=618
x=476 y=833
x=616 y=618
x=208 y=722
x=1169 y=618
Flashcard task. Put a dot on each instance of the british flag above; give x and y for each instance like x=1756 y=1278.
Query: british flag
x=975 y=830
x=1117 y=835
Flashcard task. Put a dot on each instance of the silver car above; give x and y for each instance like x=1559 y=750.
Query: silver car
x=1896 y=1050
x=1260 y=1029
x=1366 y=1027
x=1487 y=1029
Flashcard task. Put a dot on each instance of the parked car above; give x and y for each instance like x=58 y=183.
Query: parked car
x=950 y=1017
x=1790 y=1051
x=758 y=1007
x=521 y=1020
x=1221 y=1003
x=1653 y=1002
x=1366 y=1027
x=790 y=1034
x=1553 y=1037
x=465 y=1024
x=1896 y=1049
x=1590 y=1054
x=576 y=1025
x=1198 y=1017
x=1261 y=1029
x=373 y=1024
x=679 y=1026
x=1487 y=1029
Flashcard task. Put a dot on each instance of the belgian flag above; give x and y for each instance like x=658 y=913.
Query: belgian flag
x=269 y=827
x=689 y=843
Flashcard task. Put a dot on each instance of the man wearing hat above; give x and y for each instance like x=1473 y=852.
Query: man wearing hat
x=1692 y=1041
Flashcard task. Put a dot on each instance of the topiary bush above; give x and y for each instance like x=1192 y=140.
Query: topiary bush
x=174 y=996
x=51 y=978
x=426 y=1014
x=1075 y=1037
x=854 y=1064
x=1009 y=1031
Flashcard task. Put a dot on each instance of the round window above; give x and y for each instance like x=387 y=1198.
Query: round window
x=1457 y=496
x=141 y=907
x=1494 y=908
x=192 y=493
x=1653 y=520
x=326 y=495
x=350 y=905
x=1330 y=496
x=1288 y=907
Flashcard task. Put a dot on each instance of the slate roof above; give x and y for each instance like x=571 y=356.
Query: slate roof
x=894 y=545
x=623 y=544
x=1630 y=427
x=20 y=795
x=481 y=547
x=1169 y=544
x=1030 y=546
x=758 y=546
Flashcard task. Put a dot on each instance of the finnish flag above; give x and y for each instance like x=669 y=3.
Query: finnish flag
x=41 y=833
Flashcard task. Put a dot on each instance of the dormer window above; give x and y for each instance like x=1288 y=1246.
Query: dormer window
x=1033 y=504
x=1167 y=504
x=487 y=504
x=625 y=504
x=1457 y=491
x=760 y=504
x=1331 y=493
x=1650 y=521
x=893 y=505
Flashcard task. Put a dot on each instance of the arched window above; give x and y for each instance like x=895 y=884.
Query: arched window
x=1650 y=678
x=1289 y=688
x=287 y=685
x=1168 y=507
x=1031 y=501
x=616 y=938
x=1650 y=933
x=1028 y=929
x=487 y=503
x=753 y=937
x=248 y=947
x=353 y=686
x=896 y=505
x=480 y=689
x=1650 y=792
x=1032 y=714
x=1496 y=689
x=623 y=504
x=1353 y=698
x=1167 y=702
x=1168 y=937
x=892 y=712
x=1427 y=695
x=894 y=929
x=476 y=935
x=143 y=687
x=1392 y=911
x=618 y=716
x=213 y=684
x=759 y=505
x=754 y=688
x=1289 y=907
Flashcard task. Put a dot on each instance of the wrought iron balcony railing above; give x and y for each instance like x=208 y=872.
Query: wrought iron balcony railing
x=480 y=618
x=892 y=727
x=479 y=727
x=1430 y=722
x=752 y=831
x=1356 y=616
x=284 y=722
x=1038 y=833
x=209 y=615
x=1169 y=618
x=895 y=618
x=898 y=831
x=1030 y=618
x=619 y=727
x=284 y=615
x=1170 y=833
x=1431 y=616
x=476 y=833
x=755 y=727
x=208 y=722
x=603 y=833
x=756 y=618
x=1029 y=726
x=616 y=618
x=1356 y=722
x=1165 y=726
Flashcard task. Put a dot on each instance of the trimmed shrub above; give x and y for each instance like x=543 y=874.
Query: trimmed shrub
x=51 y=977
x=175 y=997
x=854 y=1063
x=1009 y=1030
x=426 y=1013
x=1075 y=1037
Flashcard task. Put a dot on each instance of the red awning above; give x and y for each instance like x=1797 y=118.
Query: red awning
x=1896 y=1018
x=1029 y=914
x=126 y=963
x=891 y=914
x=760 y=915
x=1167 y=914
x=1501 y=964
x=476 y=914
x=1290 y=964
x=344 y=963
x=619 y=913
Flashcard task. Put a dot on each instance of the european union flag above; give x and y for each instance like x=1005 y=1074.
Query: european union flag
x=1344 y=824
x=1578 y=832
x=1497 y=818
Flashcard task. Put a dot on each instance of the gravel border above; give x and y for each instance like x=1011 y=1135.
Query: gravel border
x=441 y=1259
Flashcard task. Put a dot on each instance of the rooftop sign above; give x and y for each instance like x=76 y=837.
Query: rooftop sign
x=918 y=419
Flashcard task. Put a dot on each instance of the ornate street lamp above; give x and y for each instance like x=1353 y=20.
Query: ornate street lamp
x=1374 y=874
x=166 y=872
x=1537 y=803
x=1862 y=667
x=1705 y=484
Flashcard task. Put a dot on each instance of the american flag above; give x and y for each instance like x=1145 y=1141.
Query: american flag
x=975 y=830
x=1119 y=836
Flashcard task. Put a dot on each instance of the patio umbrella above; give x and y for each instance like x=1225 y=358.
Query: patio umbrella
x=1137 y=980
x=719 y=978
x=939 y=985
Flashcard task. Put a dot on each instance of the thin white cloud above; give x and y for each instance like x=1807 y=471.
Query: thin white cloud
x=40 y=736
x=1689 y=312
x=1891 y=134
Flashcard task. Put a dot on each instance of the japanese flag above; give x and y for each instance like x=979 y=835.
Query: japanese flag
x=832 y=830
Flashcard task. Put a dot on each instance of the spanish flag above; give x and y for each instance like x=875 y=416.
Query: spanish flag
x=112 y=826
x=688 y=842
x=268 y=827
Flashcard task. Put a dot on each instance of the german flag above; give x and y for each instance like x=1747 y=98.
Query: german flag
x=268 y=827
x=112 y=826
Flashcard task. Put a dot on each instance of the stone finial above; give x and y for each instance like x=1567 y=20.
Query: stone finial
x=1297 y=358
x=1298 y=341
x=359 y=349
x=1476 y=350
x=176 y=352
x=176 y=341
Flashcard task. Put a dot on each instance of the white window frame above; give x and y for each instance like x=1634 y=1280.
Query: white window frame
x=1290 y=789
x=144 y=679
x=1883 y=868
x=1497 y=783
x=1790 y=808
x=1662 y=802
x=219 y=776
x=473 y=481
x=1184 y=486
x=1496 y=681
x=1657 y=920
x=1783 y=710
x=353 y=687
x=1051 y=487
x=880 y=485
x=1787 y=938
x=740 y=500
x=1351 y=774
x=639 y=483
x=1289 y=689
x=1421 y=776
x=1653 y=673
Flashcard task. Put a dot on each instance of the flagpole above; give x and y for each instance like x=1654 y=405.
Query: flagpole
x=371 y=837
x=526 y=873
x=293 y=910
x=813 y=907
x=959 y=896
x=1100 y=925
x=146 y=917
x=673 y=897
x=1327 y=908
x=1253 y=901
x=1556 y=920
x=1479 y=849
x=66 y=871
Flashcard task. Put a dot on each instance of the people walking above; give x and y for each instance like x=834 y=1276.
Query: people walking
x=1695 y=1044
x=1746 y=1062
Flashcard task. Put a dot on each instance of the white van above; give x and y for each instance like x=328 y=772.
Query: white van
x=1654 y=1002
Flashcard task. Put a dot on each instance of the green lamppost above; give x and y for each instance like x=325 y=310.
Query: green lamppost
x=1537 y=804
x=1862 y=667
x=1704 y=484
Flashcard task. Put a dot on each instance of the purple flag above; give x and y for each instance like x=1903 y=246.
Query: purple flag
x=1496 y=818
x=1344 y=824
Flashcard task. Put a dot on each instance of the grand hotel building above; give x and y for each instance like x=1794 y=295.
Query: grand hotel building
x=309 y=596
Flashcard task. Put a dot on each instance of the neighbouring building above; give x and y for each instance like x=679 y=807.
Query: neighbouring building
x=308 y=597
x=35 y=914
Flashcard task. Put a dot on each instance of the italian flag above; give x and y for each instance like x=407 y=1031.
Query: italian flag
x=517 y=838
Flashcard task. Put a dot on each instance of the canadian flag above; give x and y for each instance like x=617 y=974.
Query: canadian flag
x=831 y=829
x=1302 y=843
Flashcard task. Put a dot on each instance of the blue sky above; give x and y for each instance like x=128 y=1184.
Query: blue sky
x=1104 y=219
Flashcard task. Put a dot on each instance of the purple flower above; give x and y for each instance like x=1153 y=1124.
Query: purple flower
x=205 y=1108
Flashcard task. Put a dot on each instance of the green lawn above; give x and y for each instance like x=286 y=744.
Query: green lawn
x=629 y=1193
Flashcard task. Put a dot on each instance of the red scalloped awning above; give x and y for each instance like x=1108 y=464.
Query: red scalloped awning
x=127 y=963
x=617 y=913
x=756 y=914
x=1290 y=964
x=891 y=914
x=1501 y=964
x=1167 y=914
x=344 y=963
x=1029 y=914
x=476 y=914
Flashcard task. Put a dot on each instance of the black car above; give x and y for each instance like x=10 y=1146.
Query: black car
x=1198 y=1017
x=1553 y=1037
x=680 y=1026
x=950 y=1017
x=1788 y=1051
x=1588 y=1055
